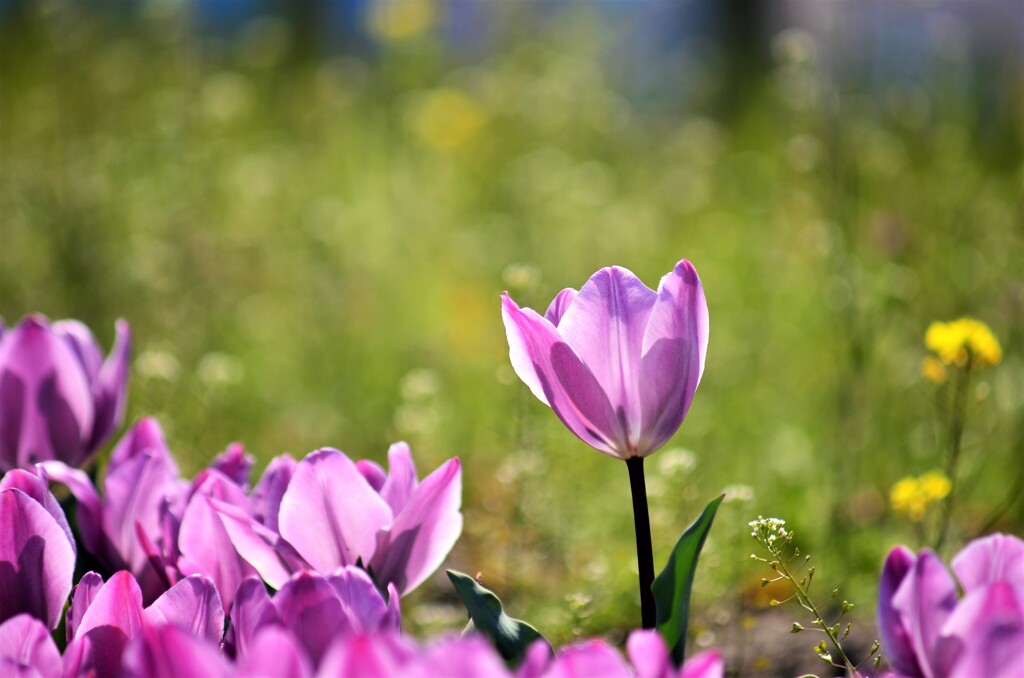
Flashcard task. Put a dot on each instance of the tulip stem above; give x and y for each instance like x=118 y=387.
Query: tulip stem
x=644 y=550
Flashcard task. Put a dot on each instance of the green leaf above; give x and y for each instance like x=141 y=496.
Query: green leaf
x=511 y=636
x=672 y=587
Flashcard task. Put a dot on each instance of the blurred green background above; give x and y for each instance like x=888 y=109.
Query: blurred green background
x=308 y=218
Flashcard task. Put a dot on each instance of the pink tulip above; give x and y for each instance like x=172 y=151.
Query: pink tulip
x=59 y=398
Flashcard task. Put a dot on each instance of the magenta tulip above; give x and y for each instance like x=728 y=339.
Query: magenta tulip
x=27 y=649
x=37 y=552
x=928 y=630
x=617 y=362
x=59 y=399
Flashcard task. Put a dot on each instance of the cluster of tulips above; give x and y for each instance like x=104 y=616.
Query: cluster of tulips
x=301 y=573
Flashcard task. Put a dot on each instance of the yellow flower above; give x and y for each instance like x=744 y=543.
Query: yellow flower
x=933 y=370
x=959 y=340
x=912 y=496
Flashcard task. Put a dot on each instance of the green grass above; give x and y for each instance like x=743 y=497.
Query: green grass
x=311 y=254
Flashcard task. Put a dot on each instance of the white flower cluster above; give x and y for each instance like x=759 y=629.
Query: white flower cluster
x=768 y=530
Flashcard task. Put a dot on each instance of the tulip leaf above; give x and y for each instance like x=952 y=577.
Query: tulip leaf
x=672 y=587
x=510 y=636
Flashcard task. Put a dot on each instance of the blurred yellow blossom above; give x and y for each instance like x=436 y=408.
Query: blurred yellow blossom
x=398 y=19
x=933 y=370
x=958 y=340
x=447 y=119
x=912 y=496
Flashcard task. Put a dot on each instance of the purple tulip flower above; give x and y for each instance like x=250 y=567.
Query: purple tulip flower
x=327 y=512
x=617 y=362
x=928 y=630
x=59 y=399
x=37 y=551
x=143 y=497
x=27 y=649
x=105 y=617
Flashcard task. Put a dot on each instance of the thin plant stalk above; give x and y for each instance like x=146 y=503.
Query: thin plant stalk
x=957 y=419
x=644 y=550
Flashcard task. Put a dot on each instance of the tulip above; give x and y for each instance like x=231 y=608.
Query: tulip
x=59 y=398
x=27 y=649
x=37 y=551
x=327 y=512
x=105 y=617
x=619 y=364
x=928 y=630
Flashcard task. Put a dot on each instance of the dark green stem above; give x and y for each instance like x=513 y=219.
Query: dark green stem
x=644 y=550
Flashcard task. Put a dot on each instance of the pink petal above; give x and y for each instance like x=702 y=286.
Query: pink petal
x=276 y=654
x=605 y=327
x=675 y=344
x=145 y=435
x=424 y=531
x=252 y=611
x=111 y=387
x=235 y=463
x=329 y=513
x=309 y=607
x=998 y=557
x=361 y=602
x=986 y=634
x=38 y=487
x=460 y=656
x=896 y=640
x=923 y=602
x=27 y=649
x=401 y=478
x=84 y=593
x=36 y=560
x=109 y=623
x=192 y=604
x=707 y=664
x=589 y=658
x=88 y=513
x=559 y=305
x=172 y=652
x=648 y=653
x=364 y=656
x=257 y=545
x=557 y=376
x=266 y=496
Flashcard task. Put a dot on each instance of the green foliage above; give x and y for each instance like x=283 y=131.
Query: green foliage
x=510 y=636
x=673 y=585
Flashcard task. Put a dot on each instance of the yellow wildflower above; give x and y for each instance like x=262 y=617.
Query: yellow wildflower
x=912 y=496
x=959 y=340
x=933 y=370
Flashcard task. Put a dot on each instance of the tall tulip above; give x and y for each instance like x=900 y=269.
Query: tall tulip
x=59 y=399
x=619 y=364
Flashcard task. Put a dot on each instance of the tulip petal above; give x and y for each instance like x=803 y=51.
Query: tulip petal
x=56 y=410
x=707 y=664
x=266 y=496
x=675 y=344
x=109 y=623
x=192 y=604
x=360 y=600
x=985 y=634
x=85 y=592
x=27 y=649
x=111 y=388
x=83 y=343
x=235 y=463
x=88 y=513
x=998 y=557
x=171 y=652
x=373 y=472
x=401 y=479
x=146 y=435
x=205 y=545
x=38 y=487
x=923 y=602
x=895 y=635
x=363 y=656
x=588 y=658
x=37 y=561
x=464 y=656
x=308 y=605
x=557 y=376
x=276 y=654
x=559 y=305
x=329 y=513
x=604 y=325
x=252 y=611
x=425 y=530
x=648 y=654
x=257 y=545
